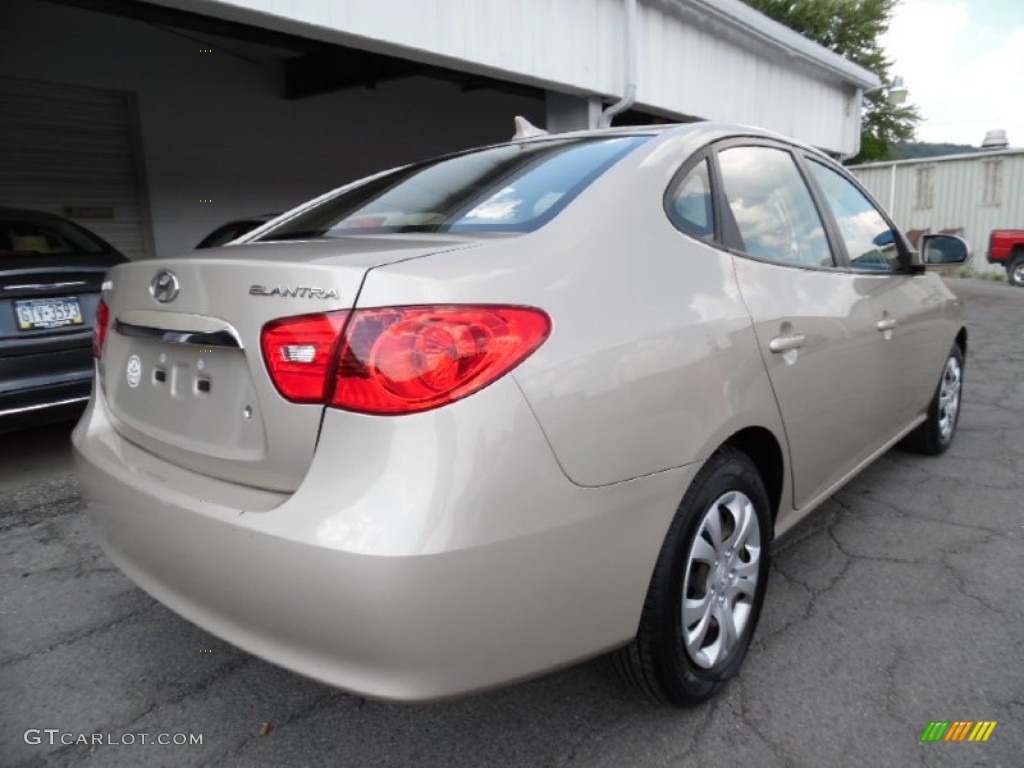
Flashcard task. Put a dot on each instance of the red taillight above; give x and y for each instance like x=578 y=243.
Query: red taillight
x=299 y=352
x=99 y=330
x=408 y=359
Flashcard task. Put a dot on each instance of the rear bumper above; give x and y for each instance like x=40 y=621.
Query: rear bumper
x=40 y=388
x=396 y=578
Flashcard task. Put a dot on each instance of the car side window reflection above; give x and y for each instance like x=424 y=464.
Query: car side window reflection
x=690 y=206
x=772 y=207
x=870 y=241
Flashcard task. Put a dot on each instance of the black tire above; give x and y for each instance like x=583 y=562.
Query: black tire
x=929 y=438
x=1015 y=270
x=657 y=662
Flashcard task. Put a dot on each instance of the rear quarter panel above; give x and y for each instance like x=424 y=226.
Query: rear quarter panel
x=652 y=361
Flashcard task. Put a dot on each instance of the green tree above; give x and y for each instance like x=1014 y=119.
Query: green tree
x=852 y=29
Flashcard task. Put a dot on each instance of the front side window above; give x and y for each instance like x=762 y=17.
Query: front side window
x=772 y=207
x=870 y=242
x=509 y=188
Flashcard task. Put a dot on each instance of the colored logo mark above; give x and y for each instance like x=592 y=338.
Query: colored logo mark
x=958 y=730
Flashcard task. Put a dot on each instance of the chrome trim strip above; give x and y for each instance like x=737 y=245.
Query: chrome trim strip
x=44 y=286
x=56 y=270
x=224 y=337
x=40 y=406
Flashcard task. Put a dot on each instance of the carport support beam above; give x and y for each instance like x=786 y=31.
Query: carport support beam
x=629 y=91
x=566 y=112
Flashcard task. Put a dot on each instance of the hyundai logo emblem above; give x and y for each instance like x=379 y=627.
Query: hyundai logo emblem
x=164 y=287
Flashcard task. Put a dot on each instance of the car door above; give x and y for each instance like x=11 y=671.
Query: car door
x=814 y=320
x=903 y=303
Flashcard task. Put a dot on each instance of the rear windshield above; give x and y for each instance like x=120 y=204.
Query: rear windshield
x=24 y=238
x=510 y=188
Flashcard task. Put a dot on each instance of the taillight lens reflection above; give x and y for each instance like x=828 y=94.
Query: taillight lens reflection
x=402 y=359
x=412 y=359
x=99 y=329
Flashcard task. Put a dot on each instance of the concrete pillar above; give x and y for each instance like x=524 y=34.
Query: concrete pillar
x=566 y=112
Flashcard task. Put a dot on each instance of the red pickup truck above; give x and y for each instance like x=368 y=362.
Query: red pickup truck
x=1006 y=247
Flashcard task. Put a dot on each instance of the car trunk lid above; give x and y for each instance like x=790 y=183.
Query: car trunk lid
x=184 y=377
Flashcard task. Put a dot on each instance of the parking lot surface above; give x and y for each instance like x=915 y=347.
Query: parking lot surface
x=899 y=602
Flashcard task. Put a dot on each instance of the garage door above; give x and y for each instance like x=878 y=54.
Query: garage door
x=71 y=150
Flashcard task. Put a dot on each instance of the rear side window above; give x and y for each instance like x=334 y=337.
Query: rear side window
x=871 y=245
x=690 y=206
x=772 y=207
x=509 y=188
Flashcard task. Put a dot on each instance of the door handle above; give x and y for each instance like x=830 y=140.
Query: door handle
x=786 y=343
x=887 y=324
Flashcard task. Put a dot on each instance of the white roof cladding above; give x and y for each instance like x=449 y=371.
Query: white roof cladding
x=713 y=59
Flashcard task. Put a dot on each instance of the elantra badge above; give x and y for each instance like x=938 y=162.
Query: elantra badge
x=164 y=287
x=295 y=292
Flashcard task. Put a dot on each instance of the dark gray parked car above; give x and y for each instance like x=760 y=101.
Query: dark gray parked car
x=51 y=272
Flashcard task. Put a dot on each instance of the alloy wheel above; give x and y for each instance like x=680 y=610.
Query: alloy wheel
x=949 y=397
x=720 y=579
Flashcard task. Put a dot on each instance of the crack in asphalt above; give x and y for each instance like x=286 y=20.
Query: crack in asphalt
x=776 y=749
x=898 y=511
x=83 y=634
x=300 y=714
x=699 y=730
x=61 y=508
x=762 y=639
x=79 y=756
x=899 y=657
x=961 y=587
x=583 y=735
x=32 y=504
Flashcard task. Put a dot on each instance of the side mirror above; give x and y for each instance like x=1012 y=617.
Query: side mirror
x=944 y=250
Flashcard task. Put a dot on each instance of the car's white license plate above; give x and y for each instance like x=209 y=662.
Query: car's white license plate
x=34 y=314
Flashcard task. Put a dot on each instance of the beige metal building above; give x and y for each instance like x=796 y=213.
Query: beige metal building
x=152 y=122
x=968 y=195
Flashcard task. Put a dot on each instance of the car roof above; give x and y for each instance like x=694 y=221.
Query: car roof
x=707 y=130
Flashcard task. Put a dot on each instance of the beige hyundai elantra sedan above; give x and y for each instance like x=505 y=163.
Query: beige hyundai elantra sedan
x=484 y=416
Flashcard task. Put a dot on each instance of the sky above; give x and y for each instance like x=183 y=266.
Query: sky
x=963 y=64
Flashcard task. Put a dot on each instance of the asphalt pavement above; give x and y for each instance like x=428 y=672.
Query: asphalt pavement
x=899 y=602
